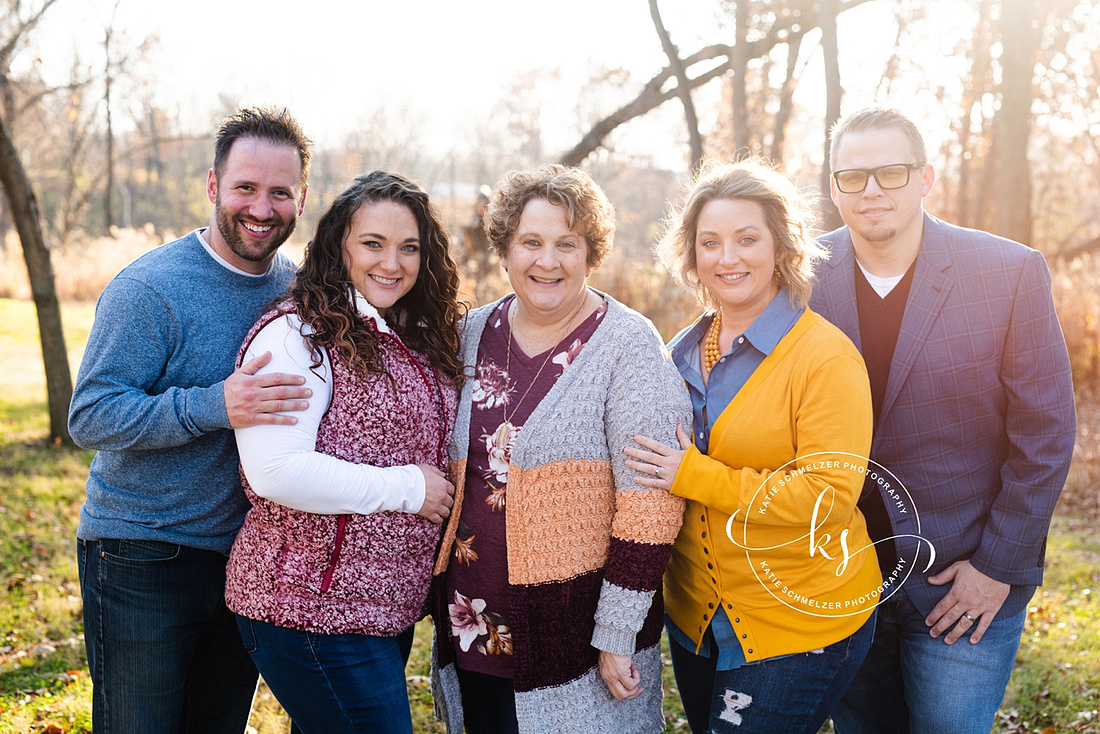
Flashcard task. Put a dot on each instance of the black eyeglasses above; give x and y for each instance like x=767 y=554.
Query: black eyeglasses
x=893 y=176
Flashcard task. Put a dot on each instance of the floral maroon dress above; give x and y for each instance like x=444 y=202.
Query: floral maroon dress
x=508 y=387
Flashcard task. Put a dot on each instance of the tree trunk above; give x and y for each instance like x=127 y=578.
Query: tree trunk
x=1012 y=125
x=830 y=50
x=24 y=212
x=786 y=97
x=683 y=85
x=739 y=65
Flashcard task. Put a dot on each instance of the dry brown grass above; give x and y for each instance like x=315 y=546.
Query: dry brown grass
x=80 y=270
x=1077 y=296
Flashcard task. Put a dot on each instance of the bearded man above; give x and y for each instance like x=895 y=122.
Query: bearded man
x=158 y=397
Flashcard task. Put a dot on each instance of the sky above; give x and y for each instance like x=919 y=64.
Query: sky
x=444 y=63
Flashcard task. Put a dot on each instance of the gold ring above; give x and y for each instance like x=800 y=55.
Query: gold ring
x=967 y=615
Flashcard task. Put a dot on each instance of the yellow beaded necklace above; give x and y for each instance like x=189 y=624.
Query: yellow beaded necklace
x=711 y=352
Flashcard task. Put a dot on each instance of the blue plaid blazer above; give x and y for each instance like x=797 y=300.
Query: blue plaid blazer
x=978 y=419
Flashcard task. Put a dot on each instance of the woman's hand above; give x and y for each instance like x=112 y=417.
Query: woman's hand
x=621 y=676
x=659 y=463
x=438 y=495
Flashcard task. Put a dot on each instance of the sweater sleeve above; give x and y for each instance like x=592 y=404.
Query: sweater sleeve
x=133 y=338
x=281 y=462
x=831 y=416
x=646 y=396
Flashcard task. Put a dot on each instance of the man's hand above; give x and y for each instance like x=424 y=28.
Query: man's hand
x=439 y=495
x=253 y=400
x=973 y=601
x=621 y=676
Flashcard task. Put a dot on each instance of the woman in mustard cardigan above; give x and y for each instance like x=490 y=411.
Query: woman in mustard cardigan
x=772 y=585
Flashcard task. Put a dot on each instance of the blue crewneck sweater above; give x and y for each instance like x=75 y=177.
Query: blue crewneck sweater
x=149 y=397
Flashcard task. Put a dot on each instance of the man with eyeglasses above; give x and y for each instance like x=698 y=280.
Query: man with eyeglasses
x=974 y=415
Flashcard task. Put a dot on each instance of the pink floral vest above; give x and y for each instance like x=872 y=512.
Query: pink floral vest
x=360 y=574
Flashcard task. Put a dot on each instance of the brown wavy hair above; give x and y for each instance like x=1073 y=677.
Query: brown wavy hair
x=426 y=318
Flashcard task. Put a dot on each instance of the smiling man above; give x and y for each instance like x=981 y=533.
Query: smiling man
x=158 y=397
x=974 y=414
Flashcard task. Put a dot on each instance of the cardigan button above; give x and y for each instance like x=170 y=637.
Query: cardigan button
x=710 y=605
x=704 y=618
x=743 y=637
x=738 y=619
x=707 y=551
x=703 y=518
x=750 y=651
x=704 y=533
x=710 y=566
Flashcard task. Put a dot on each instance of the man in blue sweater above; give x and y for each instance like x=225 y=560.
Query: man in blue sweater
x=157 y=395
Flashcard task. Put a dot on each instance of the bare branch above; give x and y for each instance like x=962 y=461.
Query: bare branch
x=683 y=85
x=652 y=95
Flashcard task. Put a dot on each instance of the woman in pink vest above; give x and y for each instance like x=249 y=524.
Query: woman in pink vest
x=331 y=569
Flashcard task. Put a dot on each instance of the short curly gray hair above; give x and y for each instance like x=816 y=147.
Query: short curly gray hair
x=588 y=211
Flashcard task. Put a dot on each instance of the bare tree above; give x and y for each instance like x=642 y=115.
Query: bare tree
x=653 y=94
x=786 y=95
x=1012 y=124
x=830 y=51
x=108 y=78
x=683 y=85
x=24 y=210
x=25 y=215
x=739 y=69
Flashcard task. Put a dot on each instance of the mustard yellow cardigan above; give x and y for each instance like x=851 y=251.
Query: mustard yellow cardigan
x=796 y=436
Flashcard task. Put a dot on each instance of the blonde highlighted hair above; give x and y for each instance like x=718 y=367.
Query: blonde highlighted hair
x=789 y=215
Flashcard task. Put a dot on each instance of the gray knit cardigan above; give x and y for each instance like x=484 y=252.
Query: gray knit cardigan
x=587 y=546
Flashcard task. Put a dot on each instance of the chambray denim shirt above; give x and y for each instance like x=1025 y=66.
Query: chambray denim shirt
x=729 y=374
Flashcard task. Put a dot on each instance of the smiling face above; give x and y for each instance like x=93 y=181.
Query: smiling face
x=258 y=197
x=735 y=258
x=547 y=263
x=382 y=252
x=881 y=219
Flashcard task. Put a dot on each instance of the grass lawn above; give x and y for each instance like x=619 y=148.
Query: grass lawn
x=44 y=685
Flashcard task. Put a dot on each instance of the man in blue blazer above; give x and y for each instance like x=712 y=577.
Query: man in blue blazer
x=974 y=418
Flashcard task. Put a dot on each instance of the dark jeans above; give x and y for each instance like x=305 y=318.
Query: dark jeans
x=334 y=684
x=163 y=649
x=488 y=703
x=792 y=694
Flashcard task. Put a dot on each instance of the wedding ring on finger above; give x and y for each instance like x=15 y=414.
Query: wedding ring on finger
x=657 y=472
x=967 y=615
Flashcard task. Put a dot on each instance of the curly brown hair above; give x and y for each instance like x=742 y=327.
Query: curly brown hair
x=426 y=318
x=588 y=211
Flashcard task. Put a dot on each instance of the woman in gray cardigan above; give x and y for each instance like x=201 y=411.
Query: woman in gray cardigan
x=548 y=608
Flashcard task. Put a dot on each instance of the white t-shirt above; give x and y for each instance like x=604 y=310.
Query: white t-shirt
x=882 y=286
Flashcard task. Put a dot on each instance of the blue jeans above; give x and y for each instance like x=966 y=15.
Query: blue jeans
x=163 y=649
x=794 y=693
x=333 y=684
x=912 y=681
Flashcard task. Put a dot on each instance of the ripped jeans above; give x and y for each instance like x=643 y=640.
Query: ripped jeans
x=794 y=693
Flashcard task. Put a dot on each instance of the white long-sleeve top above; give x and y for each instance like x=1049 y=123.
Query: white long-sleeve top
x=282 y=463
